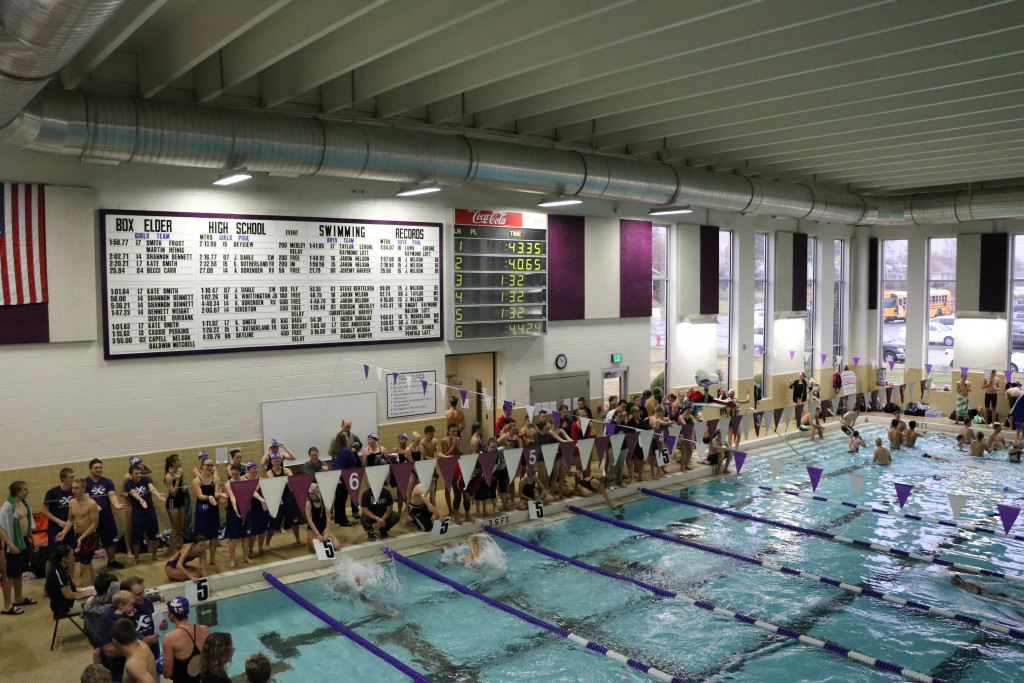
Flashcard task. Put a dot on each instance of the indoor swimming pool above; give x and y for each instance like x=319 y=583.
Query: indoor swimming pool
x=448 y=636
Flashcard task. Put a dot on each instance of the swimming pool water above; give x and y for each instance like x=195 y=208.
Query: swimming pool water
x=451 y=637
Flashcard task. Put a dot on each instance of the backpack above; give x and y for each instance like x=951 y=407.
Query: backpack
x=890 y=407
x=837 y=381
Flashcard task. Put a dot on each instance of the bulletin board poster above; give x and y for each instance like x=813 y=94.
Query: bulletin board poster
x=407 y=395
x=180 y=283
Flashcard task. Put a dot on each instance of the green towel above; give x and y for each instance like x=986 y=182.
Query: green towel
x=16 y=536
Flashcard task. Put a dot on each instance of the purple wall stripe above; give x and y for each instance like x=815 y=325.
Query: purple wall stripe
x=25 y=324
x=708 y=270
x=994 y=258
x=799 y=271
x=566 y=268
x=635 y=279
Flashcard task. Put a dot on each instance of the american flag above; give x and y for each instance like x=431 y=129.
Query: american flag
x=22 y=245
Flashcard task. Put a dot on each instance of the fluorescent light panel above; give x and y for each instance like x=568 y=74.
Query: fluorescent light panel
x=669 y=210
x=412 y=192
x=560 y=202
x=232 y=179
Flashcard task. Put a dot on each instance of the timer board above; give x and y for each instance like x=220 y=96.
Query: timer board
x=200 y=283
x=500 y=276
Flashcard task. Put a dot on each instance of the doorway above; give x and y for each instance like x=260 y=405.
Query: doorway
x=474 y=374
x=613 y=383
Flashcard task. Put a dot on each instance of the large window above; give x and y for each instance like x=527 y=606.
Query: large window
x=812 y=245
x=762 y=330
x=838 y=299
x=659 y=305
x=941 y=307
x=894 y=308
x=1017 y=308
x=724 y=304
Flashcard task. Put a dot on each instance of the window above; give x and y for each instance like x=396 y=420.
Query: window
x=812 y=244
x=724 y=304
x=941 y=307
x=659 y=304
x=1017 y=308
x=762 y=331
x=894 y=309
x=838 y=297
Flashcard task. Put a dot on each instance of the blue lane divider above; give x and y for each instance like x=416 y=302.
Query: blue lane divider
x=967 y=568
x=967 y=526
x=738 y=616
x=530 y=619
x=344 y=630
x=871 y=593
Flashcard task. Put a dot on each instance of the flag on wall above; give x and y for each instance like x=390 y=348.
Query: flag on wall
x=22 y=245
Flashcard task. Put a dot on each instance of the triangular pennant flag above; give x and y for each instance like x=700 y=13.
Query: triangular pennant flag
x=815 y=474
x=826 y=409
x=712 y=428
x=927 y=369
x=646 y=436
x=243 y=490
x=699 y=430
x=567 y=448
x=529 y=413
x=760 y=350
x=1008 y=374
x=615 y=446
x=787 y=415
x=670 y=442
x=375 y=478
x=924 y=386
x=272 y=488
x=792 y=355
x=507 y=405
x=888 y=395
x=425 y=383
x=408 y=381
x=394 y=378
x=903 y=388
x=632 y=438
x=807 y=360
x=488 y=460
x=856 y=481
x=488 y=401
x=601 y=444
x=556 y=419
x=366 y=371
x=402 y=472
x=328 y=483
x=462 y=395
x=513 y=456
x=1008 y=515
x=956 y=503
x=963 y=372
x=584 y=423
x=446 y=467
x=734 y=424
x=902 y=493
x=586 y=447
x=892 y=364
x=855 y=361
x=739 y=457
x=466 y=465
x=380 y=373
x=798 y=410
x=425 y=472
x=746 y=422
x=299 y=484
x=609 y=428
x=675 y=429
x=778 y=416
x=550 y=453
x=758 y=421
x=910 y=391
x=860 y=401
x=874 y=401
x=775 y=466
x=823 y=357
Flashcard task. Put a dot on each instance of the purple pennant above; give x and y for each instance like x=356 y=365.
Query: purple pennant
x=601 y=444
x=760 y=350
x=826 y=409
x=758 y=421
x=924 y=385
x=670 y=442
x=687 y=431
x=734 y=423
x=632 y=437
x=815 y=474
x=927 y=369
x=462 y=395
x=366 y=371
x=609 y=428
x=963 y=372
x=855 y=361
x=1008 y=514
x=902 y=493
x=892 y=364
x=712 y=428
x=874 y=400
x=1009 y=374
x=242 y=491
x=353 y=479
x=860 y=399
x=888 y=395
x=567 y=448
x=792 y=354
x=425 y=382
x=798 y=412
x=739 y=457
x=402 y=470
x=778 y=416
x=508 y=408
x=394 y=378
x=823 y=357
x=446 y=466
x=556 y=419
x=487 y=462
x=903 y=387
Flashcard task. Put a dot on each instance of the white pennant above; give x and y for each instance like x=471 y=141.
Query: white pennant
x=775 y=466
x=425 y=471
x=856 y=481
x=615 y=446
x=466 y=464
x=408 y=381
x=584 y=423
x=272 y=488
x=675 y=430
x=488 y=401
x=699 y=429
x=376 y=476
x=380 y=373
x=328 y=483
x=745 y=423
x=646 y=436
x=956 y=501
x=550 y=452
x=702 y=448
x=586 y=446
x=910 y=388
x=787 y=415
x=513 y=456
x=529 y=413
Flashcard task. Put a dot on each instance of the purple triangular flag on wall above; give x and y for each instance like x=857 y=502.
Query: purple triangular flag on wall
x=739 y=457
x=963 y=372
x=402 y=470
x=556 y=419
x=760 y=350
x=353 y=479
x=823 y=357
x=243 y=491
x=394 y=378
x=425 y=383
x=927 y=369
x=1008 y=514
x=888 y=395
x=924 y=385
x=902 y=493
x=792 y=354
x=892 y=364
x=815 y=474
x=778 y=416
x=855 y=361
x=670 y=442
x=601 y=444
x=609 y=428
x=508 y=408
x=1009 y=375
x=903 y=388
x=488 y=460
x=462 y=395
x=446 y=466
x=758 y=420
x=366 y=371
x=632 y=437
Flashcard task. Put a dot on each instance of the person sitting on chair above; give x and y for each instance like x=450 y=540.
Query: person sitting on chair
x=59 y=586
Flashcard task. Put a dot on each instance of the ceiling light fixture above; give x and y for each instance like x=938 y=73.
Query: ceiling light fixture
x=233 y=177
x=559 y=202
x=669 y=210
x=413 y=191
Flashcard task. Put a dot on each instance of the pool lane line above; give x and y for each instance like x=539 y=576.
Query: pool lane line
x=828 y=646
x=345 y=630
x=892 y=513
x=869 y=592
x=967 y=568
x=535 y=621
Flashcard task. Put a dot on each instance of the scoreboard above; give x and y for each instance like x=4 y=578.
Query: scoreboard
x=500 y=275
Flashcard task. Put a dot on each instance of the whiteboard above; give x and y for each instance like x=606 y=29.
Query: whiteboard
x=299 y=423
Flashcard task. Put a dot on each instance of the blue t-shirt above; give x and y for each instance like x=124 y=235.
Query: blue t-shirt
x=345 y=460
x=144 y=625
x=142 y=490
x=58 y=501
x=116 y=663
x=100 y=492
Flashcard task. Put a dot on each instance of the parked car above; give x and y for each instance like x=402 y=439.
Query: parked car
x=947 y=320
x=1017 y=361
x=1017 y=335
x=940 y=334
x=892 y=350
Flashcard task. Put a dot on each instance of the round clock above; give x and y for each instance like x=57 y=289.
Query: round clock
x=561 y=361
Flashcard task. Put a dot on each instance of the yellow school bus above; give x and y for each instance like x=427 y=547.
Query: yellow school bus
x=894 y=306
x=940 y=302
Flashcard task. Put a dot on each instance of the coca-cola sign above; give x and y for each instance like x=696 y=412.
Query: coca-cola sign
x=505 y=219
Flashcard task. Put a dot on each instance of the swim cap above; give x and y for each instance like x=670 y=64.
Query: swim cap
x=178 y=607
x=372 y=435
x=135 y=460
x=203 y=455
x=251 y=465
x=403 y=435
x=275 y=456
x=274 y=443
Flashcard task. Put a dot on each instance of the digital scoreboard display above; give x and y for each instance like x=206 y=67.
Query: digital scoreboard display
x=500 y=275
x=200 y=283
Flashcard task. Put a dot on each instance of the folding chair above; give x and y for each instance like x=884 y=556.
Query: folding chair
x=57 y=616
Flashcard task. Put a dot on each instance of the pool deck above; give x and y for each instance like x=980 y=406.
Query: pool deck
x=24 y=639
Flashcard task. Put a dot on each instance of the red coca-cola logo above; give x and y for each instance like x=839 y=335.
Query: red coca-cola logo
x=505 y=219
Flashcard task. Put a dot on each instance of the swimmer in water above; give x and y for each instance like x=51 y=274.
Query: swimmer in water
x=910 y=436
x=856 y=442
x=475 y=549
x=978 y=589
x=881 y=455
x=935 y=457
